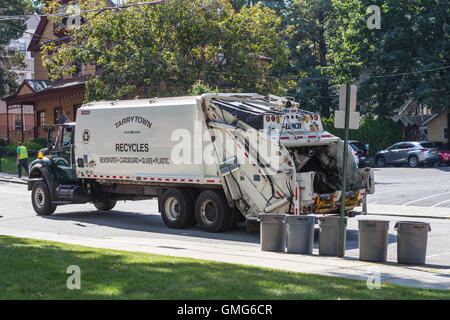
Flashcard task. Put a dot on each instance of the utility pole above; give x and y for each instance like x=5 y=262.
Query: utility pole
x=346 y=118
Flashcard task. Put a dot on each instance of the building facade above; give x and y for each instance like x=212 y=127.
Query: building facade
x=48 y=100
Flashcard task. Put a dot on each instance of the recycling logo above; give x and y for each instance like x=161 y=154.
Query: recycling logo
x=86 y=136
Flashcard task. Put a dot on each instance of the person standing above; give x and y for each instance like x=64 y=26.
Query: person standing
x=22 y=159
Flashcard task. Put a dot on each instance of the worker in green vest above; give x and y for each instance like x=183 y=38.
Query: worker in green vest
x=22 y=159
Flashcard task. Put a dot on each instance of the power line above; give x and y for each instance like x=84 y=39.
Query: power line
x=21 y=17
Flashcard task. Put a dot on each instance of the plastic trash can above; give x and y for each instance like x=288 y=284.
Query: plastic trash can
x=412 y=237
x=373 y=240
x=273 y=232
x=300 y=234
x=329 y=235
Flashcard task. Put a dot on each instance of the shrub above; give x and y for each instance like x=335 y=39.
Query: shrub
x=379 y=133
x=32 y=148
x=200 y=88
x=41 y=141
x=2 y=142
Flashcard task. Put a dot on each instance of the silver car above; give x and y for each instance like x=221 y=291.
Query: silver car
x=411 y=152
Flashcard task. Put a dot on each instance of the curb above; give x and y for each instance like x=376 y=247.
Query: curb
x=407 y=216
x=13 y=180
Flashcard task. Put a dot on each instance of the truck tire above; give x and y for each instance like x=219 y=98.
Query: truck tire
x=41 y=200
x=105 y=205
x=212 y=211
x=177 y=209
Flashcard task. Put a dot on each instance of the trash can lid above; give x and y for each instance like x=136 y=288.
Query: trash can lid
x=331 y=220
x=412 y=226
x=300 y=219
x=272 y=217
x=373 y=224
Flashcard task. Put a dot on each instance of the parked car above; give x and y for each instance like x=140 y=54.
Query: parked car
x=411 y=152
x=362 y=152
x=445 y=157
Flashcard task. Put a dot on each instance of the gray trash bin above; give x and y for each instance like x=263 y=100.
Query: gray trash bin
x=273 y=232
x=412 y=237
x=300 y=234
x=329 y=235
x=373 y=240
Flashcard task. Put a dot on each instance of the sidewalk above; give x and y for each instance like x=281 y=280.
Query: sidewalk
x=9 y=177
x=429 y=276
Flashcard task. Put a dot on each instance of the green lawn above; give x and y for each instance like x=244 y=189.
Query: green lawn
x=9 y=165
x=33 y=269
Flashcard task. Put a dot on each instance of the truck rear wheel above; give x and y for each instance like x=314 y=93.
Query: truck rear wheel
x=177 y=209
x=212 y=211
x=41 y=200
x=105 y=205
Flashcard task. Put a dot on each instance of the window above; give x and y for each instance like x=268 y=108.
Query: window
x=22 y=46
x=427 y=145
x=17 y=122
x=445 y=132
x=41 y=119
x=57 y=114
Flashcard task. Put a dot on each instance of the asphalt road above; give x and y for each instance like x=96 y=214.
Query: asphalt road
x=140 y=220
x=428 y=187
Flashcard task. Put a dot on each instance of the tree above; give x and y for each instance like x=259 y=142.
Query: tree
x=163 y=49
x=387 y=62
x=11 y=29
x=313 y=23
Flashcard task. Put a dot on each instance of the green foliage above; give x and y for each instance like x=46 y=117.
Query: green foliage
x=200 y=88
x=414 y=35
x=32 y=149
x=41 y=141
x=314 y=23
x=378 y=132
x=2 y=142
x=162 y=50
x=9 y=30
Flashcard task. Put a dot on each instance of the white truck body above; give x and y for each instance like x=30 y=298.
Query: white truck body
x=265 y=153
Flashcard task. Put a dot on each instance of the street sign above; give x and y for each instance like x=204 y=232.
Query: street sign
x=339 y=115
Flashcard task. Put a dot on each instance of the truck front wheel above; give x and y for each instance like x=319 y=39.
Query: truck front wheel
x=105 y=205
x=41 y=200
x=212 y=211
x=177 y=209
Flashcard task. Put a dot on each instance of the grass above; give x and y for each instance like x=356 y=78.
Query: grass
x=9 y=165
x=34 y=269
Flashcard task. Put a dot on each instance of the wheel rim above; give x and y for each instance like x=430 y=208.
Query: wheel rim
x=208 y=212
x=380 y=162
x=412 y=162
x=172 y=209
x=39 y=197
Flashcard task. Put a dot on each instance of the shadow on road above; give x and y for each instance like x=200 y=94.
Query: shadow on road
x=149 y=223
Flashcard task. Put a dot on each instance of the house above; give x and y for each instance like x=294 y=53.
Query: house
x=438 y=125
x=47 y=99
x=16 y=120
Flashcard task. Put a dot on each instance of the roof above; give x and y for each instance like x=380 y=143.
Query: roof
x=38 y=85
x=432 y=117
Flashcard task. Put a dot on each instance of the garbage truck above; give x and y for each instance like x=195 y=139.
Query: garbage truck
x=212 y=160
